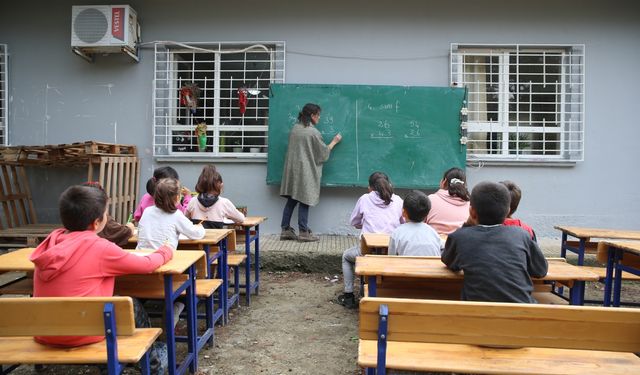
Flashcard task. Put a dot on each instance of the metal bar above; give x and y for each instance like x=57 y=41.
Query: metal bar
x=382 y=339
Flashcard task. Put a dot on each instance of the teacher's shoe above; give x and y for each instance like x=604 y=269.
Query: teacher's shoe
x=306 y=236
x=288 y=233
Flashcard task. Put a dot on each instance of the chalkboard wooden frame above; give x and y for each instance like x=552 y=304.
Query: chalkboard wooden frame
x=411 y=133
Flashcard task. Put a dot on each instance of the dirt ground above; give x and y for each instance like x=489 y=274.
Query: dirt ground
x=292 y=327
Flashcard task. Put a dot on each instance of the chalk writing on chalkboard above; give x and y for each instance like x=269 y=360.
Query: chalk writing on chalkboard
x=411 y=133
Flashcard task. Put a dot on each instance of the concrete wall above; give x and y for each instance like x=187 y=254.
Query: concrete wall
x=56 y=97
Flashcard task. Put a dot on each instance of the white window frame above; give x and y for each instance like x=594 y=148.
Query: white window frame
x=4 y=95
x=566 y=133
x=169 y=116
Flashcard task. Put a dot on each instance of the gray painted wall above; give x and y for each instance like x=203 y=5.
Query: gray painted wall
x=56 y=97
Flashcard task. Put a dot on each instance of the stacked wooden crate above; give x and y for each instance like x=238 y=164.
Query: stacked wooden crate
x=116 y=167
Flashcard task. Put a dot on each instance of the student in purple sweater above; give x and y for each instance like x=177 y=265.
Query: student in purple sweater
x=498 y=261
x=378 y=211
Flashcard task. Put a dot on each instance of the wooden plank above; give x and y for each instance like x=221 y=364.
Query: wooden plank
x=26 y=351
x=580 y=232
x=58 y=316
x=504 y=324
x=472 y=359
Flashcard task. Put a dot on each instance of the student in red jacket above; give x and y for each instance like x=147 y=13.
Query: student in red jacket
x=516 y=194
x=74 y=262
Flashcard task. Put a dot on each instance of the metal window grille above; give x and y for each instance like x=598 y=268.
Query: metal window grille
x=217 y=124
x=4 y=93
x=525 y=102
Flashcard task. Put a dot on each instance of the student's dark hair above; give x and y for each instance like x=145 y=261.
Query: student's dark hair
x=379 y=182
x=167 y=190
x=304 y=117
x=210 y=181
x=80 y=206
x=159 y=174
x=455 y=181
x=417 y=205
x=515 y=193
x=491 y=202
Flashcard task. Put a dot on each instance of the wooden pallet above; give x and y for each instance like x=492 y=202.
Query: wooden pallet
x=65 y=154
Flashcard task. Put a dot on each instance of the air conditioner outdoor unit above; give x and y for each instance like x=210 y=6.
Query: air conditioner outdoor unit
x=104 y=29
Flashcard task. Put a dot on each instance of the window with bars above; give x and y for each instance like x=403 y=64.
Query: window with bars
x=524 y=102
x=4 y=93
x=213 y=99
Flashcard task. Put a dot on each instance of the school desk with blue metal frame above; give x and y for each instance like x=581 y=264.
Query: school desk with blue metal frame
x=410 y=267
x=251 y=236
x=182 y=261
x=621 y=256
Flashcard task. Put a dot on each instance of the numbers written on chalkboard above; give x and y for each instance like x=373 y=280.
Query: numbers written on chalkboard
x=414 y=130
x=382 y=129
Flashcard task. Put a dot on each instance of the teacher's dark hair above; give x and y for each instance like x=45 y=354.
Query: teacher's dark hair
x=304 y=117
x=379 y=182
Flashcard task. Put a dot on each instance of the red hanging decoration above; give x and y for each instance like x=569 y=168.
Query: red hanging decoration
x=242 y=100
x=189 y=96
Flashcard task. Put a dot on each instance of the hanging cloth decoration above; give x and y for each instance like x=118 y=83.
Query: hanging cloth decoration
x=242 y=99
x=189 y=95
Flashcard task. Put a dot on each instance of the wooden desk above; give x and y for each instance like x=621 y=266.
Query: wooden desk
x=373 y=266
x=212 y=238
x=621 y=256
x=182 y=261
x=584 y=236
x=249 y=237
x=378 y=243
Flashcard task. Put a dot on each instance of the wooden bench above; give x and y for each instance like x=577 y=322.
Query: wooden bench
x=23 y=318
x=234 y=261
x=497 y=338
x=139 y=286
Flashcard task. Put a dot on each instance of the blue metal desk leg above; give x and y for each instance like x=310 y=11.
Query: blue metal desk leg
x=608 y=281
x=247 y=265
x=576 y=294
x=192 y=319
x=223 y=269
x=617 y=279
x=256 y=263
x=170 y=333
x=372 y=286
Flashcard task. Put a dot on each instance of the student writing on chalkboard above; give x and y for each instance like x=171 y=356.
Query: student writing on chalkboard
x=450 y=204
x=306 y=153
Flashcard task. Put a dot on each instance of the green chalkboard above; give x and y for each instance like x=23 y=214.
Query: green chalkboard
x=411 y=133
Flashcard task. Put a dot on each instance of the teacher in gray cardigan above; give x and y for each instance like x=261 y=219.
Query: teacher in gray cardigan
x=300 y=184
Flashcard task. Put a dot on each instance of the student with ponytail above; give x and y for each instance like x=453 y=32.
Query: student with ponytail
x=450 y=204
x=378 y=211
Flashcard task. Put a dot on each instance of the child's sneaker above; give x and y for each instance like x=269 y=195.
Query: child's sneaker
x=307 y=236
x=288 y=233
x=347 y=300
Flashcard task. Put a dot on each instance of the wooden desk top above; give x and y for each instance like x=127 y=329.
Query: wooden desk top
x=381 y=240
x=252 y=221
x=580 y=232
x=433 y=268
x=211 y=237
x=19 y=261
x=376 y=239
x=631 y=247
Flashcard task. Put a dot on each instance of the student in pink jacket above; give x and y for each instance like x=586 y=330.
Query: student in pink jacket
x=74 y=262
x=147 y=199
x=450 y=204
